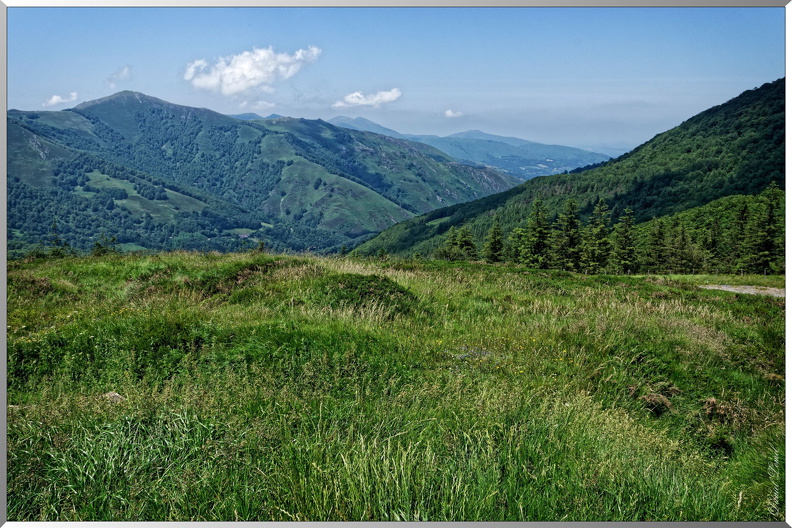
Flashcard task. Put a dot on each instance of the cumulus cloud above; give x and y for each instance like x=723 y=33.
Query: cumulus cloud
x=358 y=99
x=121 y=74
x=451 y=113
x=249 y=71
x=57 y=99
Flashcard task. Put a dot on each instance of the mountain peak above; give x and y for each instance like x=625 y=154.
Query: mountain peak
x=124 y=97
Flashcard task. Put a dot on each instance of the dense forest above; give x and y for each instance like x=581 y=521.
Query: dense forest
x=737 y=234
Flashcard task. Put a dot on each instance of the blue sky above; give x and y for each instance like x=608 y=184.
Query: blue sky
x=575 y=76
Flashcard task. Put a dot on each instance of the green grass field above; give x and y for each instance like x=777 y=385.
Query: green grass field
x=266 y=387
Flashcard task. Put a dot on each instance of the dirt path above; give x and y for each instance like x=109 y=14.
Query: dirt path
x=754 y=290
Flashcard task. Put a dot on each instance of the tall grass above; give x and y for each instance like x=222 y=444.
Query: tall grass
x=264 y=387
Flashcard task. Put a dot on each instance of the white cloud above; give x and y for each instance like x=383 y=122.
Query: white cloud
x=57 y=99
x=451 y=113
x=248 y=71
x=358 y=99
x=121 y=74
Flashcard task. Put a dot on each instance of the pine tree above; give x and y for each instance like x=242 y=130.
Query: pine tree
x=596 y=247
x=759 y=248
x=566 y=237
x=535 y=249
x=623 y=256
x=656 y=247
x=465 y=243
x=459 y=245
x=493 y=249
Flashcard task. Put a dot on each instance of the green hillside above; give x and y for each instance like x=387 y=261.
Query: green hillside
x=736 y=148
x=304 y=183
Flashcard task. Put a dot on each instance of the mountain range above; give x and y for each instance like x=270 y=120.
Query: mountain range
x=157 y=175
x=518 y=157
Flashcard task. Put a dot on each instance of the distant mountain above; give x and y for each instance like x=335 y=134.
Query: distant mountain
x=246 y=117
x=363 y=124
x=160 y=175
x=736 y=148
x=519 y=157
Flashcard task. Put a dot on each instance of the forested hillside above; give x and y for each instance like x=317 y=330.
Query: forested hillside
x=162 y=176
x=732 y=150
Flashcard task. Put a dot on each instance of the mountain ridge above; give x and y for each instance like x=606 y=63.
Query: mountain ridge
x=521 y=158
x=736 y=148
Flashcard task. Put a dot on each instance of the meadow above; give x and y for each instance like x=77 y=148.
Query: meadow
x=251 y=386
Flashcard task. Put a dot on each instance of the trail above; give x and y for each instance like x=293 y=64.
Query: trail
x=753 y=290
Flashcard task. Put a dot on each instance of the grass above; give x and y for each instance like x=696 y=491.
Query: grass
x=268 y=387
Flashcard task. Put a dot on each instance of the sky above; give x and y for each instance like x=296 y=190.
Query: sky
x=595 y=78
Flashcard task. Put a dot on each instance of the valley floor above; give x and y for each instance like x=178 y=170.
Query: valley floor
x=190 y=387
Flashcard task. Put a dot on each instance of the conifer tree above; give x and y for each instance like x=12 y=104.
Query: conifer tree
x=623 y=256
x=595 y=247
x=656 y=248
x=759 y=251
x=566 y=237
x=465 y=243
x=493 y=249
x=535 y=249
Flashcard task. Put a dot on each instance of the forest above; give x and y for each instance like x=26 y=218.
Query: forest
x=737 y=234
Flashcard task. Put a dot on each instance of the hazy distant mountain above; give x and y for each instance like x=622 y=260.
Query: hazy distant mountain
x=519 y=157
x=161 y=175
x=363 y=124
x=246 y=117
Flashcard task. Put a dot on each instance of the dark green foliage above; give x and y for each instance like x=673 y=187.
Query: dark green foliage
x=104 y=245
x=624 y=255
x=566 y=237
x=458 y=245
x=530 y=245
x=493 y=248
x=595 y=246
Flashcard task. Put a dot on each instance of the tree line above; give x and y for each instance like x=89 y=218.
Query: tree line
x=742 y=234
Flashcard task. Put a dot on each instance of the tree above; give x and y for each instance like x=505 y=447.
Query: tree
x=623 y=256
x=759 y=246
x=534 y=249
x=565 y=241
x=459 y=245
x=104 y=245
x=465 y=243
x=58 y=248
x=595 y=246
x=493 y=248
x=656 y=248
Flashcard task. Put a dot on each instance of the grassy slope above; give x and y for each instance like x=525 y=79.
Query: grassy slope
x=261 y=387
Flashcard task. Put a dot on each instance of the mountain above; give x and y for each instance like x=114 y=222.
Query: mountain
x=736 y=148
x=247 y=117
x=363 y=124
x=520 y=158
x=160 y=175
